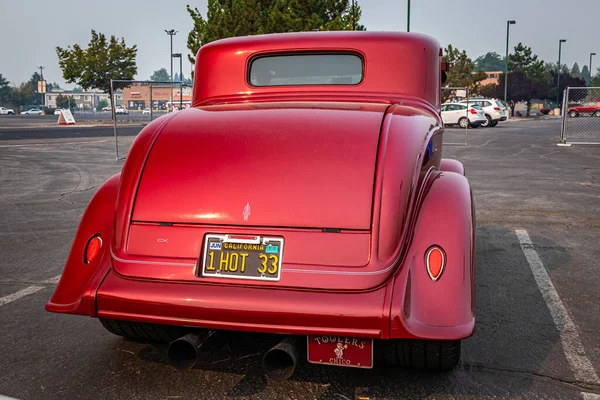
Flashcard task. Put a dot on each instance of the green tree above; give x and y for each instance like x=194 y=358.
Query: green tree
x=160 y=75
x=535 y=79
x=575 y=72
x=65 y=102
x=229 y=18
x=22 y=95
x=489 y=62
x=101 y=104
x=585 y=74
x=5 y=90
x=596 y=79
x=461 y=70
x=103 y=60
x=77 y=89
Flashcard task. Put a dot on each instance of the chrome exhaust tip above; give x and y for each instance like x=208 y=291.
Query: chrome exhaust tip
x=280 y=362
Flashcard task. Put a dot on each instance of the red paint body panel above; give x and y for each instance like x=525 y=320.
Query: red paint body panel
x=296 y=167
x=364 y=160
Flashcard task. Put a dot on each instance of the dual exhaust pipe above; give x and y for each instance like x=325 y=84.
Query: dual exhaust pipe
x=278 y=363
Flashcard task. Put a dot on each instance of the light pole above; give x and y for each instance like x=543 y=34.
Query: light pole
x=171 y=33
x=508 y=24
x=41 y=86
x=560 y=42
x=408 y=18
x=591 y=55
x=353 y=17
x=178 y=55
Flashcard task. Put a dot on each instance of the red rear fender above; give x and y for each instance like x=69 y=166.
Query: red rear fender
x=442 y=309
x=452 y=166
x=77 y=287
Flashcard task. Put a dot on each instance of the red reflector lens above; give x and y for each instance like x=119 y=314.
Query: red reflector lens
x=92 y=249
x=473 y=111
x=497 y=108
x=435 y=259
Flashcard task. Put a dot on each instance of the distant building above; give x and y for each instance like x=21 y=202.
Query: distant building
x=492 y=78
x=138 y=96
x=84 y=101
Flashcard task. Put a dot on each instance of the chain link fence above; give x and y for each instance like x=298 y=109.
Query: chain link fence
x=455 y=116
x=136 y=103
x=581 y=116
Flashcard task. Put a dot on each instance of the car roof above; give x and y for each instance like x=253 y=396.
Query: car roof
x=396 y=64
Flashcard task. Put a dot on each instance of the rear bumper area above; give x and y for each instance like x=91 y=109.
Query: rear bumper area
x=244 y=308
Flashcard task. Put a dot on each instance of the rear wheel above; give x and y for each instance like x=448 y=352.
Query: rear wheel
x=573 y=114
x=433 y=355
x=144 y=331
x=463 y=122
x=488 y=119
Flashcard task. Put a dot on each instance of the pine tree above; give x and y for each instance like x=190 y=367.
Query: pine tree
x=575 y=72
x=229 y=18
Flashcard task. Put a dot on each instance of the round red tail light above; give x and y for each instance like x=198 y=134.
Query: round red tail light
x=435 y=260
x=92 y=249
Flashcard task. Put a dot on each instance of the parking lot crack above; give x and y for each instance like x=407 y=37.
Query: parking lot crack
x=573 y=383
x=63 y=195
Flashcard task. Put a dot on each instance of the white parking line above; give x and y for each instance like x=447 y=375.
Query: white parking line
x=21 y=293
x=52 y=280
x=572 y=347
x=27 y=291
x=55 y=144
x=590 y=396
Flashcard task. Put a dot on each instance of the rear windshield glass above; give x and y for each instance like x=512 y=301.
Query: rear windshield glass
x=306 y=69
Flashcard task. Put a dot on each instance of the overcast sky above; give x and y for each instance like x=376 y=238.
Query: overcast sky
x=31 y=29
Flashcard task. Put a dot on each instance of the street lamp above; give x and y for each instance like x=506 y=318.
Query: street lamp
x=178 y=55
x=171 y=33
x=591 y=55
x=408 y=18
x=560 y=42
x=353 y=17
x=508 y=24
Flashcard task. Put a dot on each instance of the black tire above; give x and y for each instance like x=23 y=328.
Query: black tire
x=487 y=122
x=144 y=331
x=11 y=113
x=432 y=355
x=573 y=114
x=463 y=122
x=493 y=124
x=597 y=113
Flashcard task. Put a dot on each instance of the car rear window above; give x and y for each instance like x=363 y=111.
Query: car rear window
x=306 y=69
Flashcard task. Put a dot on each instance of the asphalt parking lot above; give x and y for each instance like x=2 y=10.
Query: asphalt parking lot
x=538 y=284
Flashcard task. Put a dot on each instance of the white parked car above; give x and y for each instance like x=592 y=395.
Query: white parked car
x=107 y=108
x=121 y=110
x=33 y=111
x=494 y=110
x=146 y=111
x=458 y=114
x=6 y=111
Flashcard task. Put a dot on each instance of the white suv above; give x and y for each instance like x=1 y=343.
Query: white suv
x=494 y=110
x=6 y=111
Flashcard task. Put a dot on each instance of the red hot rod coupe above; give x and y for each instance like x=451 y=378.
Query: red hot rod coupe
x=304 y=194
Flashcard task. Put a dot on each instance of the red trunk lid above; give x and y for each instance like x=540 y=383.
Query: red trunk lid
x=271 y=164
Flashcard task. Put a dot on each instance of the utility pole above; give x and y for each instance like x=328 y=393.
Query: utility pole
x=508 y=24
x=353 y=16
x=41 y=88
x=171 y=33
x=560 y=42
x=408 y=18
x=591 y=55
